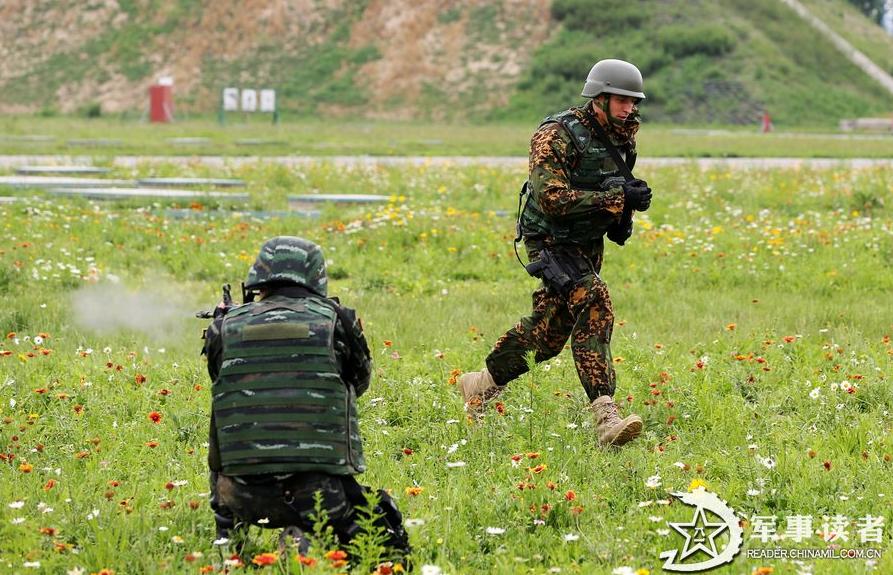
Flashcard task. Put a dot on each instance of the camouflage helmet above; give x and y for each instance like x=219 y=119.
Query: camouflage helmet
x=289 y=259
x=613 y=77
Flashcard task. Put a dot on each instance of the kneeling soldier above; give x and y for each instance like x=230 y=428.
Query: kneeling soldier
x=286 y=372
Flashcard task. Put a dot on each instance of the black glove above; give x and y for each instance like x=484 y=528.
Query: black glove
x=637 y=195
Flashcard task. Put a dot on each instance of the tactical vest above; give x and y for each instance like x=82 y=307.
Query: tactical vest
x=279 y=403
x=589 y=169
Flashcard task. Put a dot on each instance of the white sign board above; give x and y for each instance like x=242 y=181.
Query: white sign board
x=231 y=99
x=249 y=100
x=268 y=100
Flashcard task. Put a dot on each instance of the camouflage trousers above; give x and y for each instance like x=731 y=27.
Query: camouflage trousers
x=240 y=501
x=584 y=314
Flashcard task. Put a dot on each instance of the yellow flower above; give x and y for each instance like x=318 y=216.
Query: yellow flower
x=697 y=484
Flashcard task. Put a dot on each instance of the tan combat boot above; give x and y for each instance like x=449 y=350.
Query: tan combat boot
x=477 y=387
x=611 y=429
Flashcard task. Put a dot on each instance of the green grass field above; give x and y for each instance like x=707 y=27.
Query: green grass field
x=753 y=337
x=316 y=138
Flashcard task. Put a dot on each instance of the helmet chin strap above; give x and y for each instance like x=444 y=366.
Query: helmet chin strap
x=605 y=106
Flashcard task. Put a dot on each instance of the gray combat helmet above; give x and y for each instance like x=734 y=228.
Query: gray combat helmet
x=613 y=77
x=289 y=259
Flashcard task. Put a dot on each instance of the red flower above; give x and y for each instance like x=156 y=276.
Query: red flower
x=336 y=555
x=48 y=531
x=155 y=417
x=265 y=559
x=407 y=451
x=827 y=464
x=169 y=485
x=140 y=379
x=49 y=484
x=307 y=561
x=570 y=495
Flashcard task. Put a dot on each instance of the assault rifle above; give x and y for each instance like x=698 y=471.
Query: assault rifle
x=227 y=303
x=622 y=230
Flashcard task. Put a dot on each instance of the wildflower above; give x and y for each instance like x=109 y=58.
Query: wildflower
x=763 y=571
x=388 y=343
x=697 y=483
x=452 y=464
x=827 y=464
x=538 y=469
x=386 y=568
x=653 y=482
x=577 y=509
x=152 y=444
x=570 y=495
x=337 y=558
x=767 y=462
x=155 y=416
x=407 y=451
x=16 y=504
x=500 y=408
x=495 y=530
x=307 y=561
x=413 y=491
x=49 y=484
x=552 y=485
x=731 y=327
x=533 y=455
x=571 y=537
x=26 y=467
x=265 y=559
x=48 y=531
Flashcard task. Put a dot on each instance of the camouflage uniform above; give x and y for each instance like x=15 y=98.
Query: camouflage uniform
x=575 y=198
x=286 y=373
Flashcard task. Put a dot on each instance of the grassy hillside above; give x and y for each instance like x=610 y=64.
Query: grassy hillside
x=705 y=61
x=861 y=32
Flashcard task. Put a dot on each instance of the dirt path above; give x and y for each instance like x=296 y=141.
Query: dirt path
x=519 y=162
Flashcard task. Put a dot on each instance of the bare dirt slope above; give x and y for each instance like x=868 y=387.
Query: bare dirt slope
x=383 y=58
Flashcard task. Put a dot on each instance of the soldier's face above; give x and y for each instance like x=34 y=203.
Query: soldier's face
x=621 y=106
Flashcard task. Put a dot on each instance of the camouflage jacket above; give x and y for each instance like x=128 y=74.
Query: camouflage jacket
x=574 y=194
x=351 y=368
